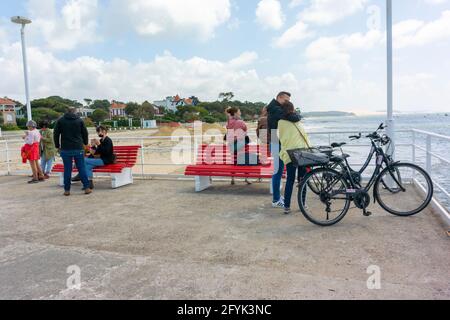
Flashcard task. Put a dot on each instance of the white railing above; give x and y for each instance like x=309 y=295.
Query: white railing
x=412 y=143
x=430 y=154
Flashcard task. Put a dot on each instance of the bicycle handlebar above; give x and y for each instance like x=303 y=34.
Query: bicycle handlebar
x=356 y=137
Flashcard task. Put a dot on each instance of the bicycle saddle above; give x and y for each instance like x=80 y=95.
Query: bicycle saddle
x=338 y=145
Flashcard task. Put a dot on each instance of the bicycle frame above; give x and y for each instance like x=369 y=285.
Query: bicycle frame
x=381 y=159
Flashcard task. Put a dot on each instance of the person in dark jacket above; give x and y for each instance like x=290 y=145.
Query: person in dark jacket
x=276 y=113
x=70 y=136
x=103 y=153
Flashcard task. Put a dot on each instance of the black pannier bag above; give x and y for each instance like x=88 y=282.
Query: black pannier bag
x=308 y=157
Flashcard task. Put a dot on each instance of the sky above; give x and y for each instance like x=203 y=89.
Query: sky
x=331 y=55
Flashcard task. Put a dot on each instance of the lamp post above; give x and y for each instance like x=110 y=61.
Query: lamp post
x=24 y=21
x=390 y=103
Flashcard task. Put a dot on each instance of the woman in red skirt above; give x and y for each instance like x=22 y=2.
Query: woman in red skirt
x=31 y=151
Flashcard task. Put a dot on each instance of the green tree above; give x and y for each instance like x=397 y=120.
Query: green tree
x=101 y=104
x=99 y=115
x=55 y=103
x=132 y=108
x=195 y=100
x=88 y=101
x=137 y=111
x=48 y=114
x=148 y=111
x=226 y=96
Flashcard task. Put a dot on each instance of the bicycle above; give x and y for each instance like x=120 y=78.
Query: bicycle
x=335 y=189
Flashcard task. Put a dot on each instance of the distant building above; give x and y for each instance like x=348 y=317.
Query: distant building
x=11 y=111
x=171 y=103
x=85 y=112
x=118 y=109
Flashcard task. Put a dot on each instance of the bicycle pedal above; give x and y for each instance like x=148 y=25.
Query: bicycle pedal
x=367 y=214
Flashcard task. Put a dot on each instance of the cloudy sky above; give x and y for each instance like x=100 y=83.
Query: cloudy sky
x=330 y=54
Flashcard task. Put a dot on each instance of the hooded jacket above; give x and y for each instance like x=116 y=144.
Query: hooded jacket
x=275 y=114
x=70 y=133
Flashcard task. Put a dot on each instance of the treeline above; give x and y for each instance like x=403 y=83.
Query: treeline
x=212 y=112
x=51 y=108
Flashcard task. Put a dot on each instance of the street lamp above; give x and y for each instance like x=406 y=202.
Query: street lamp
x=390 y=103
x=24 y=21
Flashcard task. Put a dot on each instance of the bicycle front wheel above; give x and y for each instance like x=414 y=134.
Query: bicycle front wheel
x=327 y=203
x=390 y=187
x=412 y=185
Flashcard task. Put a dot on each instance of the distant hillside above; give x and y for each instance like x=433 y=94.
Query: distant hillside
x=328 y=114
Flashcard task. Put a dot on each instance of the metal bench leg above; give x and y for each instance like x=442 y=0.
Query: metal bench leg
x=122 y=179
x=202 y=183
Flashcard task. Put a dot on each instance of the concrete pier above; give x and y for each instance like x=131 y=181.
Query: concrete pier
x=161 y=240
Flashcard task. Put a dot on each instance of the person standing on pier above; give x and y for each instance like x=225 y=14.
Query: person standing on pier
x=275 y=114
x=70 y=137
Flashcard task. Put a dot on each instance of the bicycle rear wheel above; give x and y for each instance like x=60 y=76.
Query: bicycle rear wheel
x=327 y=204
x=413 y=189
x=335 y=166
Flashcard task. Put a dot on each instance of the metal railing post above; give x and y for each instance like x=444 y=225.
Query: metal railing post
x=142 y=158
x=428 y=155
x=414 y=147
x=8 y=165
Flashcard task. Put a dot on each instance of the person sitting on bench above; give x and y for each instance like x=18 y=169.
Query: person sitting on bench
x=236 y=136
x=103 y=154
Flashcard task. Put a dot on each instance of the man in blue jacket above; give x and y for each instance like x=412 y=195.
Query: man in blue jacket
x=275 y=114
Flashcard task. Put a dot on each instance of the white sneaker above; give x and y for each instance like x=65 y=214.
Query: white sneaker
x=279 y=204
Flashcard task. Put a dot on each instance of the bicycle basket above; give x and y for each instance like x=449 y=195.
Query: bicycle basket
x=308 y=157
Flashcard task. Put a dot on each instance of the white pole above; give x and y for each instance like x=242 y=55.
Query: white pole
x=390 y=103
x=25 y=71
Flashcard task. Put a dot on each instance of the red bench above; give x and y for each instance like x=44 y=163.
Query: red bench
x=218 y=161
x=120 y=172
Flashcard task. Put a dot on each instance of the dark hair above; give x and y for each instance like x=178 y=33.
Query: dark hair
x=102 y=128
x=44 y=124
x=232 y=111
x=288 y=108
x=283 y=93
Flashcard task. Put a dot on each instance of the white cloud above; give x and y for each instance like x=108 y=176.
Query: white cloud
x=328 y=73
x=295 y=3
x=418 y=33
x=269 y=14
x=64 y=28
x=326 y=12
x=436 y=2
x=149 y=80
x=169 y=17
x=293 y=35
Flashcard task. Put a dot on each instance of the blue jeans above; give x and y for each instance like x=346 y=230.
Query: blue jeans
x=46 y=164
x=290 y=181
x=91 y=163
x=68 y=156
x=279 y=169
